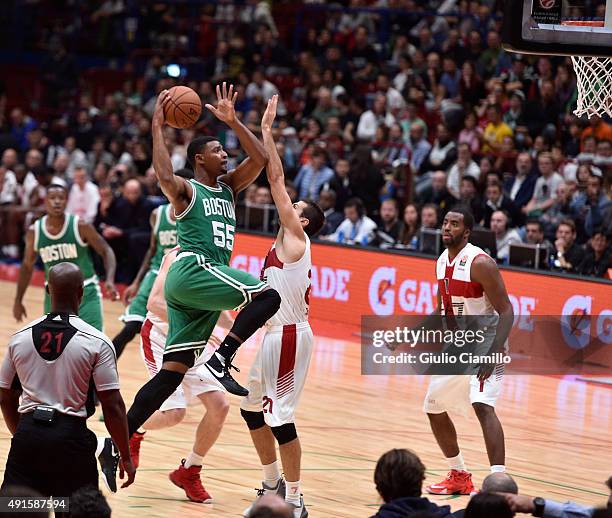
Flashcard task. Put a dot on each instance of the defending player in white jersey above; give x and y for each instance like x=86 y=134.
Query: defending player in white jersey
x=197 y=383
x=278 y=374
x=469 y=283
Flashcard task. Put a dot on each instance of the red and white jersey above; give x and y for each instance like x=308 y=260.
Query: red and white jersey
x=459 y=293
x=292 y=282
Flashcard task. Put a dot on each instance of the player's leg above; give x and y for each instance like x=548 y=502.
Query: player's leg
x=483 y=397
x=135 y=313
x=258 y=303
x=91 y=306
x=442 y=394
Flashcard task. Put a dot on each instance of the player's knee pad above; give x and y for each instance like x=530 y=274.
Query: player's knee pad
x=284 y=433
x=254 y=420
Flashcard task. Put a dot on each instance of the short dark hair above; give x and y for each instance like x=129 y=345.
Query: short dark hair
x=184 y=173
x=196 y=146
x=484 y=505
x=357 y=204
x=399 y=473
x=535 y=221
x=468 y=217
x=568 y=223
x=471 y=180
x=89 y=501
x=315 y=216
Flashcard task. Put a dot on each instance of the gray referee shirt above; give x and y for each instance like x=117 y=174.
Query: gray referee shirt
x=55 y=358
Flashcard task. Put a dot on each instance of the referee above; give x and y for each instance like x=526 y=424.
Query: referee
x=52 y=363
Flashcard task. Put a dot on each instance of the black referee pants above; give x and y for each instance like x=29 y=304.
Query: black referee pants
x=54 y=459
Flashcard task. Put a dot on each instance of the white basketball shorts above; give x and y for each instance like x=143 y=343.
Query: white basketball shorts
x=278 y=374
x=457 y=393
x=198 y=378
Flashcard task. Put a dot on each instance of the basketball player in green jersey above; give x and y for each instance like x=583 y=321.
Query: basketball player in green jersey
x=200 y=284
x=61 y=237
x=135 y=296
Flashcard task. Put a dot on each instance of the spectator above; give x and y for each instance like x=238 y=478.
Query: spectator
x=333 y=218
x=504 y=235
x=569 y=254
x=589 y=206
x=560 y=211
x=410 y=226
x=260 y=89
x=515 y=116
x=442 y=154
x=534 y=234
x=270 y=506
x=387 y=232
x=543 y=113
x=471 y=134
x=357 y=228
x=545 y=190
x=324 y=108
x=419 y=146
x=499 y=483
x=21 y=126
x=311 y=177
x=395 y=101
x=495 y=130
x=8 y=186
x=366 y=181
x=520 y=187
x=438 y=194
x=371 y=119
x=485 y=505
x=464 y=166
x=89 y=503
x=84 y=196
x=9 y=159
x=399 y=476
x=598 y=256
x=125 y=225
x=468 y=196
x=597 y=128
x=340 y=184
x=494 y=201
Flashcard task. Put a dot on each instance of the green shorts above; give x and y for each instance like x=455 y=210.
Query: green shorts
x=90 y=309
x=196 y=291
x=137 y=309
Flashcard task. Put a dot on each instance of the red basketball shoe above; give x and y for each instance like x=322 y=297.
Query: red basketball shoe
x=135 y=441
x=457 y=482
x=188 y=479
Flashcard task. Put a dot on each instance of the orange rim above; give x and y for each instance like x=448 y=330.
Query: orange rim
x=583 y=23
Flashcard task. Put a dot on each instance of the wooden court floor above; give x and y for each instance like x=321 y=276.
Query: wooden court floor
x=557 y=435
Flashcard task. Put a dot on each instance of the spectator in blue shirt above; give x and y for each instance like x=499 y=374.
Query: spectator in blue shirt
x=312 y=176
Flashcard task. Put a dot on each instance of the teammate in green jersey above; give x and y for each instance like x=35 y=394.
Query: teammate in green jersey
x=200 y=284
x=60 y=237
x=135 y=296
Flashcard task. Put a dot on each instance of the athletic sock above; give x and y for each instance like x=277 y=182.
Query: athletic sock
x=151 y=396
x=498 y=468
x=100 y=445
x=254 y=315
x=292 y=494
x=456 y=462
x=129 y=331
x=228 y=347
x=193 y=459
x=271 y=474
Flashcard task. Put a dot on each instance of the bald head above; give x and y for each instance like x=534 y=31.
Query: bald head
x=271 y=506
x=65 y=287
x=499 y=483
x=132 y=191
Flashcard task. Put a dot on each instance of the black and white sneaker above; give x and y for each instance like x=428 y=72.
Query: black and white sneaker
x=279 y=490
x=109 y=461
x=220 y=369
x=300 y=511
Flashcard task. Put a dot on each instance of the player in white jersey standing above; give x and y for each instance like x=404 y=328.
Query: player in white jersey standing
x=198 y=383
x=278 y=374
x=469 y=283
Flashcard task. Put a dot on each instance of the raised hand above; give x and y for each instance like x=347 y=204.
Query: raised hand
x=224 y=111
x=159 y=115
x=269 y=115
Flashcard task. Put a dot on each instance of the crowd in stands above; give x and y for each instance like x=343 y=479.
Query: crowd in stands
x=386 y=129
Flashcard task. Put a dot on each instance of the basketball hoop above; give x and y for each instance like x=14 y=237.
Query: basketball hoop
x=594 y=78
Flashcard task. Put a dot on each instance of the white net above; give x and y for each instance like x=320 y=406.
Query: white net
x=594 y=76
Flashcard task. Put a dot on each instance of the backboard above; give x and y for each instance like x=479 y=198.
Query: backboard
x=558 y=27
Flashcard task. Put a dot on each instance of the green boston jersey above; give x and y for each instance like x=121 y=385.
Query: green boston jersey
x=67 y=246
x=165 y=235
x=208 y=224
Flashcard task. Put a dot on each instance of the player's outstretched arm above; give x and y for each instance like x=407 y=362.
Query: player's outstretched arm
x=25 y=275
x=103 y=249
x=286 y=212
x=246 y=173
x=176 y=189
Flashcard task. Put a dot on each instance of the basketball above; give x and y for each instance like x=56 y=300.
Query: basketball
x=184 y=108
